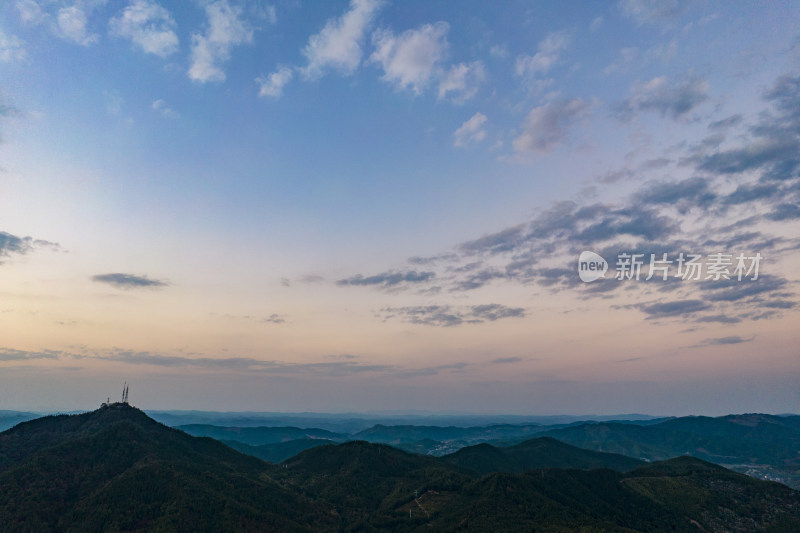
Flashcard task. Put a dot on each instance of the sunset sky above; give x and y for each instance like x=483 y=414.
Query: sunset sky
x=379 y=206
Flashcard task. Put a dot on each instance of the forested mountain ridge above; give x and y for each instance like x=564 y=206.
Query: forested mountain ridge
x=115 y=469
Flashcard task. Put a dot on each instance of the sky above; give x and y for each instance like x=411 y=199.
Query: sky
x=373 y=206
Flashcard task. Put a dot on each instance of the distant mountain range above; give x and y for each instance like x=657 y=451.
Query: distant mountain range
x=763 y=446
x=9 y=419
x=766 y=446
x=116 y=469
x=351 y=423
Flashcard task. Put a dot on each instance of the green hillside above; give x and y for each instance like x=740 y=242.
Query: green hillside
x=278 y=451
x=115 y=469
x=755 y=443
x=542 y=452
x=257 y=436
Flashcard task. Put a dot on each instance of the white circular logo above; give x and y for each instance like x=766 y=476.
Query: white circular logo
x=591 y=266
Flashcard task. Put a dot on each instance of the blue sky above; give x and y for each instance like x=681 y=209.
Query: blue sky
x=380 y=205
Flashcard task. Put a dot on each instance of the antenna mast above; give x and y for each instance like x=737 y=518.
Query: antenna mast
x=125 y=393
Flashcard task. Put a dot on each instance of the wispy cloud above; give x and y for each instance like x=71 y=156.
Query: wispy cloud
x=7 y=354
x=731 y=339
x=548 y=54
x=755 y=179
x=449 y=316
x=12 y=48
x=149 y=26
x=546 y=126
x=461 y=82
x=30 y=11
x=471 y=131
x=274 y=318
x=680 y=308
x=225 y=29
x=162 y=107
x=652 y=11
x=674 y=100
x=506 y=360
x=339 y=45
x=336 y=365
x=388 y=280
x=409 y=60
x=273 y=84
x=129 y=281
x=12 y=244
x=72 y=24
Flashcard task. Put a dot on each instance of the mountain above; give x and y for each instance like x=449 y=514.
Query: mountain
x=9 y=419
x=683 y=494
x=376 y=487
x=117 y=469
x=759 y=444
x=278 y=451
x=256 y=436
x=443 y=440
x=542 y=452
x=351 y=423
x=369 y=484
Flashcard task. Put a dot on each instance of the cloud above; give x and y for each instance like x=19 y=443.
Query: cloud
x=7 y=354
x=673 y=309
x=721 y=319
x=733 y=290
x=626 y=57
x=547 y=55
x=784 y=212
x=546 y=126
x=751 y=157
x=726 y=123
x=494 y=243
x=471 y=131
x=770 y=150
x=225 y=29
x=785 y=93
x=493 y=312
x=148 y=25
x=11 y=49
x=732 y=339
x=12 y=244
x=72 y=21
x=476 y=280
x=328 y=368
x=746 y=193
x=673 y=101
x=691 y=192
x=274 y=319
x=449 y=316
x=409 y=60
x=430 y=370
x=723 y=205
x=387 y=280
x=343 y=365
x=273 y=84
x=30 y=12
x=461 y=81
x=338 y=45
x=506 y=360
x=162 y=107
x=129 y=281
x=652 y=11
